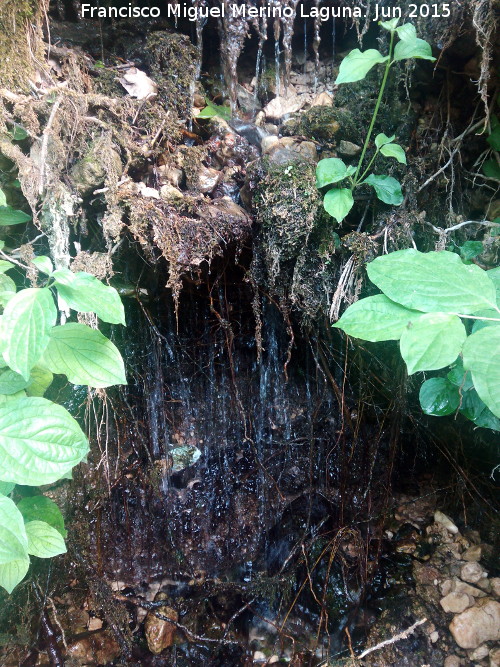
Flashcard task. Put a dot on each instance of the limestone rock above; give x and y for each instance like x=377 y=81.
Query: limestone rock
x=138 y=84
x=281 y=106
x=495 y=657
x=477 y=625
x=160 y=634
x=322 y=100
x=452 y=661
x=170 y=192
x=479 y=653
x=98 y=648
x=445 y=521
x=455 y=603
x=495 y=586
x=349 y=149
x=472 y=573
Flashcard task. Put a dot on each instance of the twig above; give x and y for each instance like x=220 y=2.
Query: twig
x=484 y=223
x=402 y=635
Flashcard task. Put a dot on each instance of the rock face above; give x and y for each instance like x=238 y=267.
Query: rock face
x=477 y=625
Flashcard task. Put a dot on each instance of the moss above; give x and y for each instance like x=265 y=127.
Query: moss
x=171 y=60
x=319 y=123
x=21 y=42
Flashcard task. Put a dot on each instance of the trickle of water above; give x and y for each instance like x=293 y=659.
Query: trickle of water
x=316 y=43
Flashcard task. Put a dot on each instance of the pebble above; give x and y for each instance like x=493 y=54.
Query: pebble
x=473 y=554
x=495 y=586
x=479 y=653
x=207 y=179
x=168 y=191
x=455 y=603
x=349 y=149
x=477 y=625
x=99 y=648
x=452 y=661
x=472 y=573
x=440 y=517
x=495 y=657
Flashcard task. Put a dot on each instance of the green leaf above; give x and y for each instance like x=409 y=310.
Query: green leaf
x=6 y=488
x=85 y=356
x=14 y=572
x=9 y=216
x=439 y=397
x=410 y=45
x=85 y=293
x=9 y=398
x=212 y=110
x=494 y=275
x=459 y=376
x=482 y=357
x=494 y=138
x=43 y=264
x=389 y=25
x=43 y=540
x=357 y=64
x=388 y=189
x=3 y=198
x=376 y=318
x=40 y=381
x=26 y=324
x=382 y=139
x=5 y=265
x=395 y=151
x=491 y=169
x=41 y=508
x=332 y=170
x=7 y=284
x=480 y=324
x=471 y=249
x=13 y=539
x=474 y=409
x=18 y=133
x=432 y=341
x=11 y=382
x=432 y=281
x=338 y=203
x=39 y=441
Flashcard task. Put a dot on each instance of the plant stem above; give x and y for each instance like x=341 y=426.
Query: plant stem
x=375 y=112
x=362 y=177
x=475 y=317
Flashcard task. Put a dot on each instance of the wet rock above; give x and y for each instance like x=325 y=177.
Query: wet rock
x=456 y=602
x=427 y=575
x=160 y=634
x=349 y=149
x=169 y=174
x=445 y=521
x=318 y=123
x=473 y=554
x=92 y=648
x=138 y=84
x=275 y=146
x=472 y=573
x=207 y=179
x=268 y=143
x=281 y=106
x=477 y=625
x=144 y=191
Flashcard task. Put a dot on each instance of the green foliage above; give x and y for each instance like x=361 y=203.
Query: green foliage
x=427 y=300
x=40 y=442
x=355 y=67
x=212 y=110
x=9 y=215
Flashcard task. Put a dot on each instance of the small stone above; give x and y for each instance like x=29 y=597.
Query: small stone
x=472 y=573
x=273 y=660
x=452 y=661
x=484 y=585
x=495 y=657
x=93 y=648
x=170 y=192
x=94 y=623
x=207 y=179
x=462 y=587
x=349 y=149
x=434 y=636
x=473 y=554
x=479 y=653
x=445 y=521
x=322 y=100
x=258 y=656
x=268 y=143
x=477 y=625
x=455 y=603
x=447 y=586
x=495 y=586
x=199 y=101
x=144 y=191
x=281 y=106
x=308 y=150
